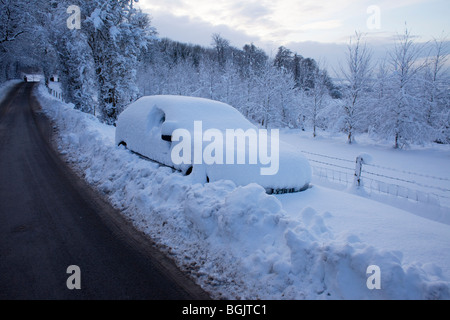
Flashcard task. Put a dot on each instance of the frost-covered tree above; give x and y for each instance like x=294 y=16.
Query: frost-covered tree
x=436 y=93
x=78 y=72
x=230 y=84
x=98 y=63
x=307 y=69
x=404 y=114
x=209 y=79
x=284 y=59
x=297 y=70
x=221 y=46
x=14 y=19
x=274 y=101
x=16 y=26
x=116 y=33
x=318 y=95
x=357 y=77
x=287 y=100
x=265 y=92
x=253 y=61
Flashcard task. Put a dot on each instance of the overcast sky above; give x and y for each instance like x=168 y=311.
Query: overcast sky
x=314 y=28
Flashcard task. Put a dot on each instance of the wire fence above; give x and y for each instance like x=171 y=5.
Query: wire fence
x=341 y=177
x=382 y=187
x=408 y=172
x=328 y=157
x=408 y=181
x=405 y=186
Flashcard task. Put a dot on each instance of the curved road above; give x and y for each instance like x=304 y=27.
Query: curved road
x=50 y=220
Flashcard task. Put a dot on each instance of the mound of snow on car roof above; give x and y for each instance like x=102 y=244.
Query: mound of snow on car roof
x=181 y=112
x=236 y=241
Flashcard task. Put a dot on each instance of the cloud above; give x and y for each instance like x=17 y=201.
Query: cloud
x=262 y=19
x=282 y=21
x=252 y=10
x=314 y=28
x=196 y=31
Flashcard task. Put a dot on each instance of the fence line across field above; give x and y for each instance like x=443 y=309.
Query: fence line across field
x=409 y=172
x=328 y=157
x=332 y=165
x=378 y=166
x=372 y=185
x=407 y=181
x=333 y=175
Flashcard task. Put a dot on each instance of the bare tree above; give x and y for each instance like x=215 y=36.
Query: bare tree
x=221 y=45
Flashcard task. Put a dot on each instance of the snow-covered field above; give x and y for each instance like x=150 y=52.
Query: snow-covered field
x=240 y=243
x=420 y=174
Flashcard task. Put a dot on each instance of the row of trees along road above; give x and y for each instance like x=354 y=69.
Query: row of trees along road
x=116 y=57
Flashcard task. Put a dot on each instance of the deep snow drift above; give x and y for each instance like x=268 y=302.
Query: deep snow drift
x=239 y=242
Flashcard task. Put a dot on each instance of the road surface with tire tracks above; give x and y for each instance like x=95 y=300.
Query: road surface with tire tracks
x=50 y=220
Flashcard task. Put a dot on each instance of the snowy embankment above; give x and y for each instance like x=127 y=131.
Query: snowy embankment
x=238 y=242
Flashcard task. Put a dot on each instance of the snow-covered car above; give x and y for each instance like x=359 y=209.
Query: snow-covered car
x=157 y=127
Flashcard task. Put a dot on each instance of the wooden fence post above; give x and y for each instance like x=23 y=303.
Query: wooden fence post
x=358 y=171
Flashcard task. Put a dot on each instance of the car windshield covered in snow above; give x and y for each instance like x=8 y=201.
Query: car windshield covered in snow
x=211 y=141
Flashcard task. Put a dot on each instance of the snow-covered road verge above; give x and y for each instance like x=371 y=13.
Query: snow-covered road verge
x=5 y=87
x=237 y=242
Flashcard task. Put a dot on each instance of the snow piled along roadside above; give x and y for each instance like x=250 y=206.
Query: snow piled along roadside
x=6 y=87
x=237 y=242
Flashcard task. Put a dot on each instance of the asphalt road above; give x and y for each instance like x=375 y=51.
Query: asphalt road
x=50 y=220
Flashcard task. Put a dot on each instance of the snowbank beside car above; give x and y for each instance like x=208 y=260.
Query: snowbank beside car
x=236 y=241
